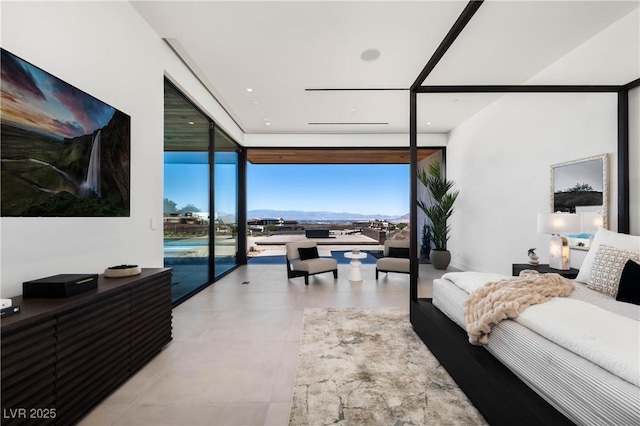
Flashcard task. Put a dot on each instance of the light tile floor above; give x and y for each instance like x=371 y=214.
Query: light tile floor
x=235 y=346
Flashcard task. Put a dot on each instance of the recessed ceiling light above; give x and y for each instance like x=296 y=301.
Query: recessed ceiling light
x=353 y=109
x=428 y=123
x=249 y=89
x=267 y=124
x=192 y=123
x=256 y=102
x=370 y=55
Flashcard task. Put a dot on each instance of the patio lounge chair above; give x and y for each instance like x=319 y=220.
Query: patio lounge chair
x=305 y=266
x=396 y=257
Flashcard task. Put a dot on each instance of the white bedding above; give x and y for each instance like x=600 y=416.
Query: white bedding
x=471 y=281
x=605 y=338
x=583 y=391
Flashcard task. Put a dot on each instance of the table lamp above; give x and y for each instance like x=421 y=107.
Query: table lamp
x=556 y=224
x=591 y=221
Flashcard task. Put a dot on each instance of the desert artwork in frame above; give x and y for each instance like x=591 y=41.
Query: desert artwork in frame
x=581 y=186
x=62 y=151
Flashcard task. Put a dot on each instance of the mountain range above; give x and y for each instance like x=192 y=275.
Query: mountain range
x=321 y=216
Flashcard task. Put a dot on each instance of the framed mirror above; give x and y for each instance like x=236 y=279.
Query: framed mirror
x=581 y=186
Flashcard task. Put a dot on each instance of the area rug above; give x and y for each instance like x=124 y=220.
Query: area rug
x=366 y=366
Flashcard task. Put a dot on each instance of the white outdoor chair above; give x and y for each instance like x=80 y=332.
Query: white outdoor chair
x=303 y=268
x=397 y=262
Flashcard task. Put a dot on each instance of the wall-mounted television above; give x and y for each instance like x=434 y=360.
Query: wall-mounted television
x=62 y=151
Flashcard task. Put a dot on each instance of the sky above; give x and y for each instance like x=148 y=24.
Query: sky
x=186 y=179
x=34 y=99
x=364 y=189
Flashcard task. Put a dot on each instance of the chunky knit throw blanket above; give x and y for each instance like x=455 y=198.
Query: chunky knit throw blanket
x=504 y=299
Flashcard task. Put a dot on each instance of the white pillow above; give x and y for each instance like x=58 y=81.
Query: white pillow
x=610 y=238
x=607 y=267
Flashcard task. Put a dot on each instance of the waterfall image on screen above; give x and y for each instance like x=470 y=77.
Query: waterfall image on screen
x=92 y=182
x=62 y=151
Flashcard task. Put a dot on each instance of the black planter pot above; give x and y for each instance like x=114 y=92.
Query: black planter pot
x=440 y=259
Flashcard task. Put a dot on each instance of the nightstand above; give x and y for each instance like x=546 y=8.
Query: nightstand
x=544 y=269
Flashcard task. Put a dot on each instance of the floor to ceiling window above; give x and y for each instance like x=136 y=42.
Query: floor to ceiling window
x=200 y=197
x=186 y=194
x=225 y=202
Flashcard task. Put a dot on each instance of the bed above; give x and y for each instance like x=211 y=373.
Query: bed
x=581 y=387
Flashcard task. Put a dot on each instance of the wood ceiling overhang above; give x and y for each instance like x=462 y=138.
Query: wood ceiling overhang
x=334 y=155
x=185 y=128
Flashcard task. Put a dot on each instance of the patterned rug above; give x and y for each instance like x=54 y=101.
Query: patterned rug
x=366 y=366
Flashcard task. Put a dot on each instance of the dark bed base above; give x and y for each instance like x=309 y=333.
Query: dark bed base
x=494 y=390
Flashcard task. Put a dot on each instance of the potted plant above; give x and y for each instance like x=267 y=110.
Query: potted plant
x=438 y=211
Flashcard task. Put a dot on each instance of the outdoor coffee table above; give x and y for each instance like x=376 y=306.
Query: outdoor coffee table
x=355 y=274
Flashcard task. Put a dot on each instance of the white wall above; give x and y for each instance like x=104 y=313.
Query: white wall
x=500 y=160
x=500 y=157
x=342 y=140
x=107 y=50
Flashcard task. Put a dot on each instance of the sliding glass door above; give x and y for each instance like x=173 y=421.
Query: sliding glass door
x=225 y=203
x=201 y=187
x=187 y=188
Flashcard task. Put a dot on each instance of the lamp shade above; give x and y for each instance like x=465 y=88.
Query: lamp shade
x=591 y=221
x=558 y=223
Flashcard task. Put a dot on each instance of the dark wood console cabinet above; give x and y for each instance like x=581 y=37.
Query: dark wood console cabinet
x=61 y=357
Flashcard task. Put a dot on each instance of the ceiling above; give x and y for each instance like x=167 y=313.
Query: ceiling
x=282 y=49
x=187 y=130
